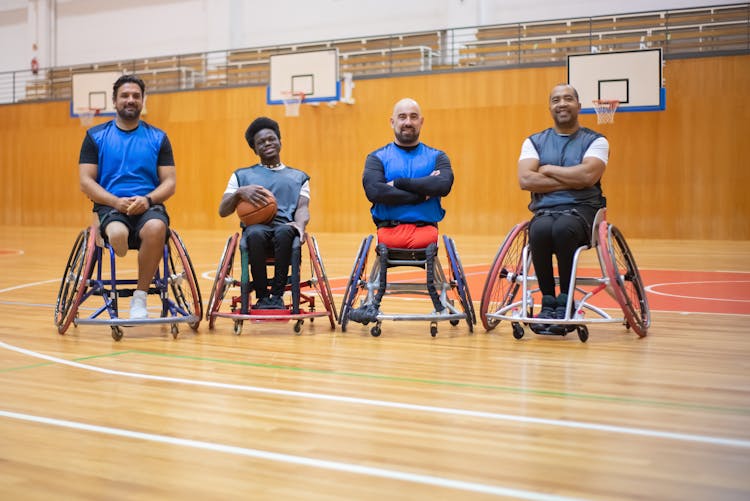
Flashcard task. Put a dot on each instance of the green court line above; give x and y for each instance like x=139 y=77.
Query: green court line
x=454 y=384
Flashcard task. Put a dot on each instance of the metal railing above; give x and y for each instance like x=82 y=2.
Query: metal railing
x=715 y=30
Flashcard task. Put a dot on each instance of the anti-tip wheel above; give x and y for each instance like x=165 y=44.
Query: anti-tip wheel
x=583 y=333
x=517 y=330
x=116 y=332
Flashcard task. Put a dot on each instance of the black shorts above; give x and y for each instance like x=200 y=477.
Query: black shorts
x=134 y=223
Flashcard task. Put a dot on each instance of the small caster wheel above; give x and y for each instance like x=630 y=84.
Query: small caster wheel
x=375 y=331
x=517 y=331
x=298 y=326
x=238 y=327
x=116 y=332
x=583 y=333
x=454 y=322
x=174 y=330
x=433 y=329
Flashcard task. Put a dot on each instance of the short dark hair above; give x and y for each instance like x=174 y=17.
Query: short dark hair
x=258 y=125
x=128 y=79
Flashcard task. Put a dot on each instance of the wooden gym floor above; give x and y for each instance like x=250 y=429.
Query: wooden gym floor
x=344 y=416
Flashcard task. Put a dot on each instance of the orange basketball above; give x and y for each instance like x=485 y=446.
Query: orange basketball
x=250 y=213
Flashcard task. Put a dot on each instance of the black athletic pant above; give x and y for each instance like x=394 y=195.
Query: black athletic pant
x=263 y=242
x=558 y=231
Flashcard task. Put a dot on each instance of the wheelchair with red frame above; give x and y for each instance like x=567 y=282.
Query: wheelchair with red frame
x=447 y=291
x=509 y=292
x=89 y=274
x=302 y=303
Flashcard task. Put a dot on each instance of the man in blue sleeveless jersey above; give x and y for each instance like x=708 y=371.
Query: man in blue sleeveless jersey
x=405 y=180
x=291 y=188
x=126 y=167
x=562 y=168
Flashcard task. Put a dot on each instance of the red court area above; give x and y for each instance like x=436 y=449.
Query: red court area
x=667 y=290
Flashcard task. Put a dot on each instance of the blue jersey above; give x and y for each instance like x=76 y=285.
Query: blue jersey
x=128 y=161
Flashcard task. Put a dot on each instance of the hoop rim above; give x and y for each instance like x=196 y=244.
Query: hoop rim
x=289 y=95
x=609 y=102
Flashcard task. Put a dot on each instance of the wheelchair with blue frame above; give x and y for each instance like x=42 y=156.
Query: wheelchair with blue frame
x=509 y=292
x=449 y=293
x=90 y=273
x=301 y=295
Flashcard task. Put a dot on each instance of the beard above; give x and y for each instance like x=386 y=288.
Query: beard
x=407 y=135
x=129 y=113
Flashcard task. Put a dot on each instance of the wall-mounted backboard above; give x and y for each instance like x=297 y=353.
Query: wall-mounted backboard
x=93 y=91
x=633 y=77
x=315 y=73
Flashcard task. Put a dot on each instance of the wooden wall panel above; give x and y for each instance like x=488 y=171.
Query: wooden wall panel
x=673 y=174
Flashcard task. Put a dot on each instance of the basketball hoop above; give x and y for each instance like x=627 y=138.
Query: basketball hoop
x=292 y=100
x=605 y=110
x=87 y=116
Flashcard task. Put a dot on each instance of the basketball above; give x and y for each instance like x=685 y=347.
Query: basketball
x=263 y=213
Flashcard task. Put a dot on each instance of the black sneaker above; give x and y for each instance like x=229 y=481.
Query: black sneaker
x=263 y=303
x=562 y=301
x=275 y=303
x=548 y=312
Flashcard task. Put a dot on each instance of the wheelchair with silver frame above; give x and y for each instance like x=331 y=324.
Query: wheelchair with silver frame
x=302 y=301
x=509 y=292
x=89 y=274
x=450 y=296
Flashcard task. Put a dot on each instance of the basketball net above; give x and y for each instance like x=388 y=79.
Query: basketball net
x=605 y=110
x=292 y=100
x=87 y=117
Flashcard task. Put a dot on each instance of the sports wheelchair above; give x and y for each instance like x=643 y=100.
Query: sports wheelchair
x=364 y=295
x=512 y=272
x=86 y=276
x=239 y=307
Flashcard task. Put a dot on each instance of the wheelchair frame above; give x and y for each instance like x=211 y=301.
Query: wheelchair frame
x=85 y=276
x=363 y=292
x=241 y=305
x=511 y=271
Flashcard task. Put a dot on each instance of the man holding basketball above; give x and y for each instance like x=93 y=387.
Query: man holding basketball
x=291 y=188
x=562 y=168
x=126 y=167
x=405 y=181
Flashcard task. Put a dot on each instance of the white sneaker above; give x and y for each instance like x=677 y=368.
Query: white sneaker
x=138 y=305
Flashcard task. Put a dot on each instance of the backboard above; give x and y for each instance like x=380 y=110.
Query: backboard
x=315 y=73
x=633 y=77
x=93 y=91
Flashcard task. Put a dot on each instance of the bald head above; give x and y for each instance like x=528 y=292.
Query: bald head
x=407 y=122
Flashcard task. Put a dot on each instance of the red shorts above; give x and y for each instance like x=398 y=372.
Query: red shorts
x=408 y=236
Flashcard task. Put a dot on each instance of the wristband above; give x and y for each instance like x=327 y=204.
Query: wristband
x=150 y=202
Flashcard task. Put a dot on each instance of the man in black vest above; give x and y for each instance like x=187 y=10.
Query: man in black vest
x=562 y=168
x=291 y=188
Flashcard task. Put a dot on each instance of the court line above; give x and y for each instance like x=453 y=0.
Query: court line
x=288 y=458
x=651 y=289
x=685 y=437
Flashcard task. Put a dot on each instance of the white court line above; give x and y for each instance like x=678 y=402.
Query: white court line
x=299 y=460
x=651 y=288
x=685 y=437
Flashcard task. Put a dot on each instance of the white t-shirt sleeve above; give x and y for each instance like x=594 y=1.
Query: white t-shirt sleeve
x=305 y=190
x=232 y=186
x=599 y=149
x=528 y=150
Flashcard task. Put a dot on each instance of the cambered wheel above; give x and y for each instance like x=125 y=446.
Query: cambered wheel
x=322 y=287
x=182 y=281
x=221 y=280
x=502 y=282
x=625 y=279
x=74 y=280
x=459 y=278
x=353 y=287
